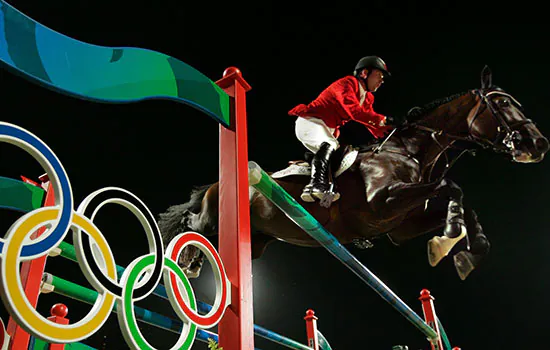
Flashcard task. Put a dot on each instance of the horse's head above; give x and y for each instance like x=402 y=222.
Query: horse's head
x=497 y=122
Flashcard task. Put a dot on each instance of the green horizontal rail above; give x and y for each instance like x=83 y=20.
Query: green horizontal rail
x=68 y=252
x=89 y=296
x=39 y=344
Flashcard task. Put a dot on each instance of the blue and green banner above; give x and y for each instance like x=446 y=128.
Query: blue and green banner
x=103 y=74
x=20 y=196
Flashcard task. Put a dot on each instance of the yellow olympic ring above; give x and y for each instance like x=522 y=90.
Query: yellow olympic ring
x=14 y=296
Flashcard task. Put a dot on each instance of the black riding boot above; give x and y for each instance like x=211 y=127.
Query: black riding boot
x=319 y=184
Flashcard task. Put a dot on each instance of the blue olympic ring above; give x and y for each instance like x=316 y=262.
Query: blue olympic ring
x=59 y=181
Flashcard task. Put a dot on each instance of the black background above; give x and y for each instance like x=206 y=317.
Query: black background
x=288 y=52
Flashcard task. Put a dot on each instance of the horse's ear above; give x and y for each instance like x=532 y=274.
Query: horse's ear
x=486 y=78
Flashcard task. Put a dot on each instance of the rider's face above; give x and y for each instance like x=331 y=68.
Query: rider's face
x=375 y=80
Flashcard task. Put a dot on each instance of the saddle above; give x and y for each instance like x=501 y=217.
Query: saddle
x=341 y=160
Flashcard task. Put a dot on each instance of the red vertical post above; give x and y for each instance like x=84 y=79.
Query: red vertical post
x=430 y=317
x=4 y=337
x=236 y=329
x=58 y=313
x=31 y=277
x=311 y=328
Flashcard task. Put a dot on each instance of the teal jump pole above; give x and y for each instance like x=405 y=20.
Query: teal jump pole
x=288 y=205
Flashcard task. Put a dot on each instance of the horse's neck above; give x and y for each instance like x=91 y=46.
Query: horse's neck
x=421 y=145
x=428 y=147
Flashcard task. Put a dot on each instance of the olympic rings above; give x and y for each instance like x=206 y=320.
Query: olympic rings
x=90 y=207
x=222 y=290
x=60 y=185
x=97 y=262
x=127 y=320
x=13 y=294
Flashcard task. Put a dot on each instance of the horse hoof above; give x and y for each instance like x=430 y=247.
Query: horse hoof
x=439 y=247
x=435 y=254
x=191 y=273
x=464 y=264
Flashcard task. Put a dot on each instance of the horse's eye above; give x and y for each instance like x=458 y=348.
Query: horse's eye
x=504 y=102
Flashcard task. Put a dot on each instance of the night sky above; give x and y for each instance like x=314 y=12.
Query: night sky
x=289 y=52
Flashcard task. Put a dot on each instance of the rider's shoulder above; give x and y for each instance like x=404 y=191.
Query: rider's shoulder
x=348 y=80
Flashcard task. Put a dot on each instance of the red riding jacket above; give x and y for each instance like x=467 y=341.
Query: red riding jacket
x=339 y=103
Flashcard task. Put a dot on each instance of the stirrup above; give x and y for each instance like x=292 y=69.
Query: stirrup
x=335 y=194
x=321 y=192
x=322 y=195
x=326 y=197
x=306 y=194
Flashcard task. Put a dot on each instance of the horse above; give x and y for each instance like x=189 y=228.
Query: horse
x=397 y=187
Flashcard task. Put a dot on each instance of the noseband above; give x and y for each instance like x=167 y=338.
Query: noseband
x=508 y=134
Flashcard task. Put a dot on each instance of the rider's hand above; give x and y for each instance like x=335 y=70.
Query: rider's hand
x=394 y=121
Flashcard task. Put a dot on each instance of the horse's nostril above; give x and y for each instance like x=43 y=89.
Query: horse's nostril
x=541 y=144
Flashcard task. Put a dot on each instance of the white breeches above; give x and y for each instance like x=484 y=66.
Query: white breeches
x=312 y=132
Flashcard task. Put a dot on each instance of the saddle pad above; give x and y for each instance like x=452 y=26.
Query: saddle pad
x=303 y=168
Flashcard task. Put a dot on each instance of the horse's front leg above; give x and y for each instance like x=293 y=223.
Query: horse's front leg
x=406 y=197
x=419 y=222
x=455 y=226
x=403 y=197
x=468 y=259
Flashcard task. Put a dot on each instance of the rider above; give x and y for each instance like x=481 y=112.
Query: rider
x=318 y=123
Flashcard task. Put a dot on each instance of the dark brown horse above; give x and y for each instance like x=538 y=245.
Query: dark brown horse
x=397 y=188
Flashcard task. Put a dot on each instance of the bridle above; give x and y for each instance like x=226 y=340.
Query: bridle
x=508 y=135
x=506 y=140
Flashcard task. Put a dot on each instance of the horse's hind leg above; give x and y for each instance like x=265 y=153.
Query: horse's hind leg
x=192 y=258
x=468 y=259
x=204 y=222
x=190 y=261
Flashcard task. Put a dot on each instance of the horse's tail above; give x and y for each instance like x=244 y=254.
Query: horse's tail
x=172 y=222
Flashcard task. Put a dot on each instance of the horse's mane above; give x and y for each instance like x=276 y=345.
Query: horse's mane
x=417 y=113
